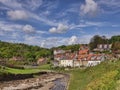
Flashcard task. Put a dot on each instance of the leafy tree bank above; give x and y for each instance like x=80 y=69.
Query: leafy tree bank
x=24 y=52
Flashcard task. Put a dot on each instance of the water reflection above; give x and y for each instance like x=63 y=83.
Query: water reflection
x=59 y=85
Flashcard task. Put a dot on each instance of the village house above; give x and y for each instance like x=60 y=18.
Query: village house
x=55 y=63
x=41 y=61
x=76 y=63
x=66 y=63
x=68 y=59
x=103 y=47
x=83 y=57
x=90 y=59
x=95 y=60
x=62 y=58
x=58 y=51
x=58 y=54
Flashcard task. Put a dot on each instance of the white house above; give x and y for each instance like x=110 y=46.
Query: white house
x=58 y=52
x=68 y=59
x=93 y=63
x=66 y=63
x=81 y=58
x=103 y=47
x=95 y=60
x=77 y=63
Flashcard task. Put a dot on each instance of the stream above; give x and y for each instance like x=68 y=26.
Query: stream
x=49 y=81
x=59 y=84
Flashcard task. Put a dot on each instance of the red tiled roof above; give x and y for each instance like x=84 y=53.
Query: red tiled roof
x=82 y=55
x=41 y=59
x=83 y=51
x=88 y=57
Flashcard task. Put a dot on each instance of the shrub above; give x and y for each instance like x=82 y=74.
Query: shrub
x=106 y=82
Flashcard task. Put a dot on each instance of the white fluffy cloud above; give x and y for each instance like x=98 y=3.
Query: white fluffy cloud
x=90 y=7
x=42 y=44
x=17 y=15
x=32 y=40
x=11 y=4
x=9 y=27
x=33 y=4
x=73 y=40
x=16 y=4
x=28 y=29
x=60 y=29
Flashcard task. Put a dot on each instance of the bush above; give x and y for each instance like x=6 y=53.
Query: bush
x=58 y=68
x=106 y=82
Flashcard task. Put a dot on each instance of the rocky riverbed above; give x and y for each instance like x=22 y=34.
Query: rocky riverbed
x=49 y=81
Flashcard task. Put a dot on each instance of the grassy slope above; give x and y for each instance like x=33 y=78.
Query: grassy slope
x=101 y=74
x=24 y=71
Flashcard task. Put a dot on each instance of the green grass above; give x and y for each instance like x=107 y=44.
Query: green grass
x=24 y=71
x=20 y=71
x=95 y=76
x=45 y=67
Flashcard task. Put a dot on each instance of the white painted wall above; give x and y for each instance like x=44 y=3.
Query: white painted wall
x=77 y=64
x=66 y=63
x=58 y=52
x=93 y=63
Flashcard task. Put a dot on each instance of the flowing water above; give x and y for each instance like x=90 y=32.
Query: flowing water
x=60 y=83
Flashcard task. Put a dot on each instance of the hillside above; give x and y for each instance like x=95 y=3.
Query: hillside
x=22 y=51
x=105 y=76
x=74 y=47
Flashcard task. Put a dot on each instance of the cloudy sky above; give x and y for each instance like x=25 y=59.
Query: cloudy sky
x=49 y=23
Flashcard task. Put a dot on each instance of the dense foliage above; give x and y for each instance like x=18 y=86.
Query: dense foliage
x=22 y=51
x=97 y=40
x=115 y=40
x=69 y=47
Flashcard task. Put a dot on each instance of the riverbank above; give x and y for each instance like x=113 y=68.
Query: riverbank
x=40 y=82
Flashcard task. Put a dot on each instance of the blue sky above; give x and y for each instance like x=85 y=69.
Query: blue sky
x=49 y=23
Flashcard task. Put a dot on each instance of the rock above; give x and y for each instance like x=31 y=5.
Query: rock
x=42 y=82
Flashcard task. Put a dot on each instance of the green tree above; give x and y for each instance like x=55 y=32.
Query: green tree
x=116 y=46
x=97 y=40
x=115 y=39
